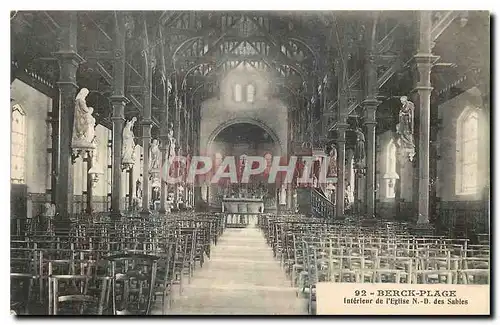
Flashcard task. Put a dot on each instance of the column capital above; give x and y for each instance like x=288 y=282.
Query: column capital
x=62 y=84
x=342 y=127
x=146 y=122
x=69 y=57
x=423 y=88
x=425 y=58
x=119 y=99
x=370 y=103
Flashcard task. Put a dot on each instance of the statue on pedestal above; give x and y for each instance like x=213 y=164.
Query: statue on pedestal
x=332 y=163
x=128 y=145
x=154 y=155
x=83 y=123
x=171 y=152
x=405 y=128
x=172 y=143
x=359 y=153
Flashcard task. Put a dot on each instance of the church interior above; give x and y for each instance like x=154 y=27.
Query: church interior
x=392 y=107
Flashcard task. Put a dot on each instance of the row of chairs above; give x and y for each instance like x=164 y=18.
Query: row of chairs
x=109 y=267
x=314 y=250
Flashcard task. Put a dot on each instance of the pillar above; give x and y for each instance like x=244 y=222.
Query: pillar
x=130 y=173
x=146 y=139
x=359 y=193
x=340 y=188
x=118 y=102
x=349 y=167
x=370 y=124
x=163 y=150
x=55 y=148
x=90 y=183
x=424 y=60
x=164 y=147
x=146 y=124
x=68 y=60
x=118 y=120
x=177 y=133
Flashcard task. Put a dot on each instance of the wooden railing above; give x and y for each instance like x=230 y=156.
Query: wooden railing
x=321 y=207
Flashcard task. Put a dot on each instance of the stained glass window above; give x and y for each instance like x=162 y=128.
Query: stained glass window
x=18 y=146
x=237 y=93
x=391 y=170
x=250 y=93
x=467 y=152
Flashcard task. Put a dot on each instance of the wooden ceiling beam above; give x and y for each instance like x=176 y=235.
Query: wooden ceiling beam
x=443 y=24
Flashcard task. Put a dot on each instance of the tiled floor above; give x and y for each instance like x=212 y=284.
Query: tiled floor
x=242 y=277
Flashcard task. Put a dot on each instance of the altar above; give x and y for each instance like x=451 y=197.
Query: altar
x=242 y=211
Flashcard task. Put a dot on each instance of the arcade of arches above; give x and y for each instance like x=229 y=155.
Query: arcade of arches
x=394 y=106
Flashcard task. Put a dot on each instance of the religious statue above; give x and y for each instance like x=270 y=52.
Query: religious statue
x=128 y=146
x=282 y=195
x=242 y=163
x=349 y=194
x=268 y=157
x=172 y=142
x=359 y=153
x=154 y=155
x=84 y=122
x=138 y=189
x=332 y=164
x=405 y=127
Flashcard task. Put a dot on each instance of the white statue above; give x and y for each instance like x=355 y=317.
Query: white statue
x=172 y=142
x=128 y=146
x=90 y=126
x=154 y=155
x=84 y=122
x=282 y=195
x=405 y=127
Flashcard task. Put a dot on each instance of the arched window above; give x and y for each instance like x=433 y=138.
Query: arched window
x=18 y=146
x=467 y=152
x=250 y=93
x=238 y=93
x=391 y=174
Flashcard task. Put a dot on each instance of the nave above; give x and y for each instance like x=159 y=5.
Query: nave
x=192 y=264
x=226 y=162
x=241 y=278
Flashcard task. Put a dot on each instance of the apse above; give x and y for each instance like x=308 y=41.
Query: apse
x=243 y=138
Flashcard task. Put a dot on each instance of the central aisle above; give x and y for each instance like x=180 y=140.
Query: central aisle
x=242 y=277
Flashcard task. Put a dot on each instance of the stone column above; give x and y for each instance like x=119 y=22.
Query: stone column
x=177 y=133
x=90 y=183
x=118 y=102
x=118 y=119
x=69 y=60
x=370 y=123
x=164 y=148
x=340 y=188
x=359 y=193
x=349 y=167
x=424 y=60
x=55 y=148
x=130 y=173
x=146 y=139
